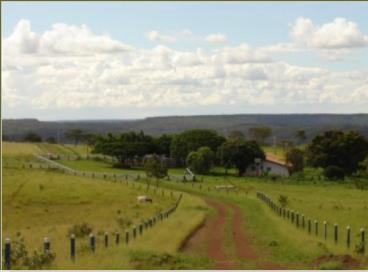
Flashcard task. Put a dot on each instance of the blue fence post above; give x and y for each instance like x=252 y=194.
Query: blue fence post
x=72 y=247
x=7 y=254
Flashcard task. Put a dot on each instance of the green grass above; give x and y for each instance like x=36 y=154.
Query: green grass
x=46 y=203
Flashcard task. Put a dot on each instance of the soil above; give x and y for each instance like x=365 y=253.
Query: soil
x=346 y=261
x=209 y=240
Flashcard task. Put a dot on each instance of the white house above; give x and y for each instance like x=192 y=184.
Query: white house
x=271 y=165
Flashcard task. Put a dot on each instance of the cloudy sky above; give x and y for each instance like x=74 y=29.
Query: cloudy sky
x=125 y=60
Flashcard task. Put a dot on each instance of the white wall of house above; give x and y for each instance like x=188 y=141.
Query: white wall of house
x=267 y=166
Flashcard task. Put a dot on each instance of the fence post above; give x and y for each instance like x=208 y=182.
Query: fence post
x=348 y=234
x=297 y=220
x=117 y=238
x=292 y=217
x=106 y=239
x=309 y=226
x=134 y=232
x=92 y=242
x=303 y=221
x=72 y=247
x=126 y=237
x=325 y=229
x=46 y=245
x=336 y=232
x=362 y=240
x=140 y=229
x=316 y=227
x=7 y=254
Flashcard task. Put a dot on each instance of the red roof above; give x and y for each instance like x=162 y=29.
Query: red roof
x=273 y=158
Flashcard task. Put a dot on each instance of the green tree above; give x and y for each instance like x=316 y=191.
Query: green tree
x=295 y=157
x=191 y=140
x=300 y=136
x=163 y=144
x=201 y=161
x=32 y=137
x=260 y=134
x=125 y=147
x=155 y=166
x=239 y=154
x=336 y=148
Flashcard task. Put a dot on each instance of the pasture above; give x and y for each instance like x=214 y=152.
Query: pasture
x=49 y=203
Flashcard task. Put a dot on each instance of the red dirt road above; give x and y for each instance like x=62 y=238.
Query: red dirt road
x=209 y=240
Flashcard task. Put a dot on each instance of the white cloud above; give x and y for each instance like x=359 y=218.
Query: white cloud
x=61 y=39
x=104 y=75
x=155 y=36
x=217 y=38
x=332 y=40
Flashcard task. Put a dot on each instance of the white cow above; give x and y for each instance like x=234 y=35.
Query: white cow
x=144 y=198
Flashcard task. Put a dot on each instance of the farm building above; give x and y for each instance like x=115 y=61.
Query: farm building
x=271 y=165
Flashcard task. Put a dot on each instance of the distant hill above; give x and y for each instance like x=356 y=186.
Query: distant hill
x=283 y=125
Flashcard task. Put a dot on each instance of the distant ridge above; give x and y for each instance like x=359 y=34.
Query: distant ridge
x=283 y=125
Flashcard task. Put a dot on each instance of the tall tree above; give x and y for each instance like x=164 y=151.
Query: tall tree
x=163 y=144
x=239 y=154
x=191 y=140
x=201 y=161
x=295 y=157
x=155 y=166
x=260 y=134
x=336 y=148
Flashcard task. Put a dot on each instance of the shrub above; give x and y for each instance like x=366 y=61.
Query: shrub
x=39 y=260
x=80 y=230
x=283 y=200
x=333 y=172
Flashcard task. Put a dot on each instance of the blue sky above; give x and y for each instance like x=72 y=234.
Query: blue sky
x=255 y=24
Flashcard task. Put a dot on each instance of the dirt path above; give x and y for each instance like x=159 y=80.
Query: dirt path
x=209 y=240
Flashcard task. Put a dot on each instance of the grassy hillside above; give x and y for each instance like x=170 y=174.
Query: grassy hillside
x=45 y=203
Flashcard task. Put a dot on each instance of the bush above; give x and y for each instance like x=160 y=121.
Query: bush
x=81 y=230
x=39 y=260
x=283 y=200
x=334 y=172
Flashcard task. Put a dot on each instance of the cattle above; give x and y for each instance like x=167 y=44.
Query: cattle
x=143 y=199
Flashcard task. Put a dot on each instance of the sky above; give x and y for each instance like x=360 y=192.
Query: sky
x=118 y=60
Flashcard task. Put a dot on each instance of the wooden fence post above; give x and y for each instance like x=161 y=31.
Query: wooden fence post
x=348 y=234
x=7 y=254
x=92 y=242
x=117 y=238
x=336 y=232
x=134 y=232
x=46 y=245
x=72 y=247
x=303 y=221
x=106 y=239
x=126 y=237
x=325 y=229
x=316 y=227
x=309 y=226
x=140 y=229
x=297 y=220
x=362 y=240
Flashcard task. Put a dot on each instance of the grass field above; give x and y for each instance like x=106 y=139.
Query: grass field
x=102 y=203
x=40 y=203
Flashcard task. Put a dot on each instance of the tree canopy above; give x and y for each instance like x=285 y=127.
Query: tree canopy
x=260 y=134
x=155 y=166
x=201 y=161
x=191 y=140
x=239 y=154
x=336 y=148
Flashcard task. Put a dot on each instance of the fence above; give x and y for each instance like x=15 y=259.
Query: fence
x=301 y=222
x=55 y=165
x=130 y=235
